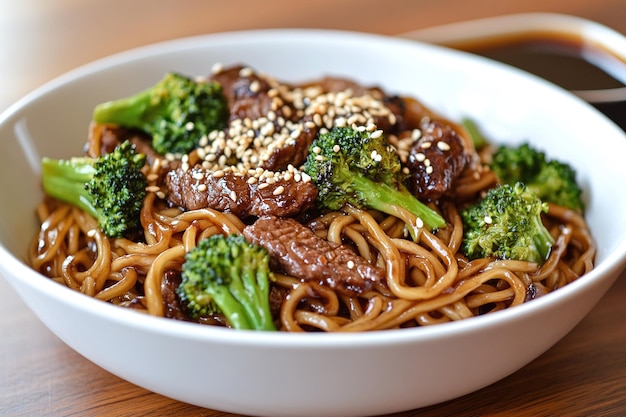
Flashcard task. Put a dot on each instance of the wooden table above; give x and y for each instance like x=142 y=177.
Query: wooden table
x=583 y=375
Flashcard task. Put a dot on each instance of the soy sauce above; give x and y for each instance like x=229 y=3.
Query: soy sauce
x=587 y=70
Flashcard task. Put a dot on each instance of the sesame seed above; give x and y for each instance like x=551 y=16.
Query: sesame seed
x=488 y=220
x=255 y=86
x=419 y=222
x=376 y=134
x=263 y=185
x=202 y=187
x=279 y=190
x=189 y=126
x=426 y=145
x=233 y=196
x=444 y=146
x=152 y=188
x=350 y=264
x=336 y=148
x=217 y=68
x=429 y=169
x=218 y=174
x=245 y=72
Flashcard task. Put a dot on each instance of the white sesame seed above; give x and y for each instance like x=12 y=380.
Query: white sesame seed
x=233 y=196
x=202 y=187
x=336 y=148
x=217 y=68
x=488 y=220
x=279 y=190
x=255 y=86
x=189 y=126
x=376 y=134
x=350 y=264
x=444 y=146
x=429 y=169
x=245 y=72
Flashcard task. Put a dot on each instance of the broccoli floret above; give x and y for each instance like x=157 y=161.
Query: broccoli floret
x=507 y=224
x=176 y=112
x=361 y=169
x=229 y=275
x=553 y=181
x=111 y=187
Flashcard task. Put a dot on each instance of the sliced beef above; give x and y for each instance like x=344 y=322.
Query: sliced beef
x=248 y=95
x=241 y=194
x=304 y=255
x=436 y=160
x=251 y=98
x=294 y=153
x=394 y=104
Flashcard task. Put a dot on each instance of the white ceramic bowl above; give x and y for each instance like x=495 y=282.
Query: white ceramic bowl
x=315 y=374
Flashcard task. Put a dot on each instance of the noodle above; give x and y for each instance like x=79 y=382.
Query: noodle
x=427 y=281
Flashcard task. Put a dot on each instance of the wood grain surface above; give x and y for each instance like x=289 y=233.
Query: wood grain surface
x=582 y=375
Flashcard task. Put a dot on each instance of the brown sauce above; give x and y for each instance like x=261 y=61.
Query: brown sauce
x=586 y=69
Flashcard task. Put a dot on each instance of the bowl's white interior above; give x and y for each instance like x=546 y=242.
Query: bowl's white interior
x=509 y=106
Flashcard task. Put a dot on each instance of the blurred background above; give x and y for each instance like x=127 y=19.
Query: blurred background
x=41 y=39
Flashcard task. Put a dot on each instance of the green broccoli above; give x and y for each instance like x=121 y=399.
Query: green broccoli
x=229 y=275
x=359 y=168
x=553 y=181
x=507 y=224
x=176 y=112
x=111 y=187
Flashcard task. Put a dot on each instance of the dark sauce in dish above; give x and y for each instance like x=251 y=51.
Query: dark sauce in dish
x=588 y=70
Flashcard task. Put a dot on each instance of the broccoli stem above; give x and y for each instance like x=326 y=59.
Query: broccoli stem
x=251 y=295
x=129 y=111
x=235 y=311
x=383 y=197
x=542 y=240
x=65 y=180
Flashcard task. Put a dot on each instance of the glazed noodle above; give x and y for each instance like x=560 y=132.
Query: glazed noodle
x=427 y=280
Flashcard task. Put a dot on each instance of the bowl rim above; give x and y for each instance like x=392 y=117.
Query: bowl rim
x=16 y=269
